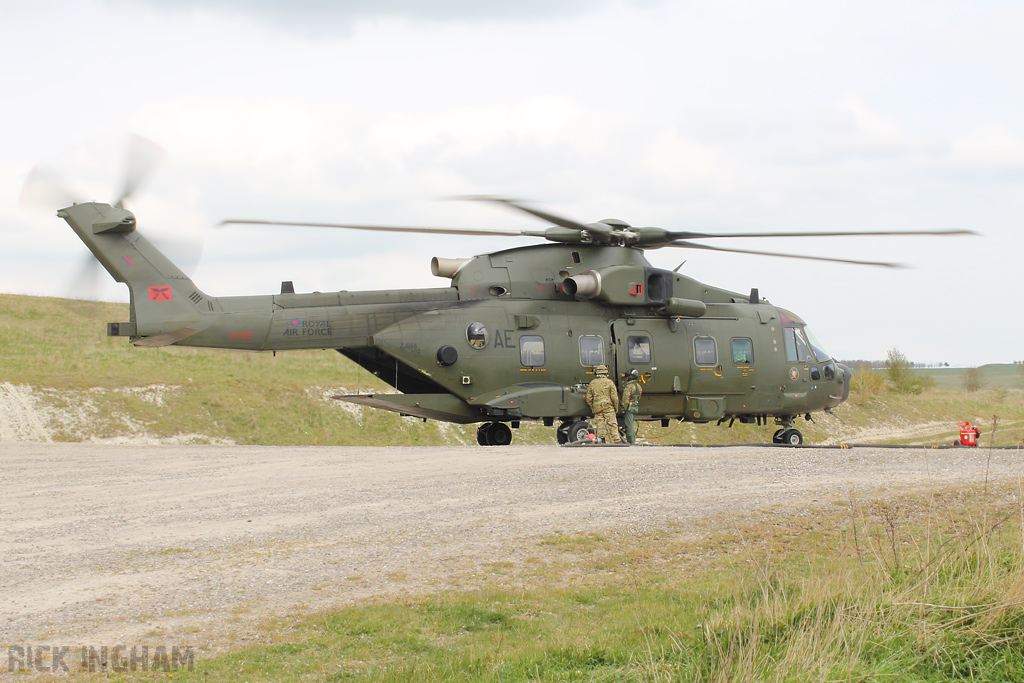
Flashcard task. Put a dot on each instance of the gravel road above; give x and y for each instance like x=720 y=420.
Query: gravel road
x=109 y=544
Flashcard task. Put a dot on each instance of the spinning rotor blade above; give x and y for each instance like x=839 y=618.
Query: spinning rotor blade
x=706 y=247
x=143 y=156
x=887 y=233
x=86 y=282
x=386 y=228
x=519 y=206
x=42 y=187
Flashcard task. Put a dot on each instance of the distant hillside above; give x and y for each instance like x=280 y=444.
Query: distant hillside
x=1004 y=375
x=62 y=378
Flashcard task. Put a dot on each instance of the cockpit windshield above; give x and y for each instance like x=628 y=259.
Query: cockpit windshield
x=798 y=350
x=819 y=353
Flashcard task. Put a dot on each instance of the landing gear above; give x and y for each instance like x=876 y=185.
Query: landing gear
x=562 y=433
x=788 y=435
x=494 y=434
x=792 y=437
x=573 y=432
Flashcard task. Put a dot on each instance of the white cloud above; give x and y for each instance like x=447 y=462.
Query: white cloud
x=992 y=148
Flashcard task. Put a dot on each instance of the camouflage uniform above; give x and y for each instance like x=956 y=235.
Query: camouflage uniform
x=603 y=399
x=631 y=403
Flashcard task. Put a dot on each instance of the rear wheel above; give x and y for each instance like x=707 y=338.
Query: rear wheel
x=499 y=434
x=578 y=431
x=777 y=437
x=494 y=434
x=562 y=433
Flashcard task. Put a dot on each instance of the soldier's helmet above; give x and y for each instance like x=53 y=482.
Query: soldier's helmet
x=634 y=374
x=601 y=370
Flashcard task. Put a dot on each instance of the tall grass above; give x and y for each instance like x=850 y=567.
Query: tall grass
x=927 y=589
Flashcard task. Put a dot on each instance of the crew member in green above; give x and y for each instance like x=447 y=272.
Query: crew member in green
x=631 y=404
x=603 y=399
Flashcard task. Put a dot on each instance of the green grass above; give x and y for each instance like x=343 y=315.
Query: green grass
x=925 y=589
x=994 y=375
x=60 y=348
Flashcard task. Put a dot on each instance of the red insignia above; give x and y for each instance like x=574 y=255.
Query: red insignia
x=159 y=293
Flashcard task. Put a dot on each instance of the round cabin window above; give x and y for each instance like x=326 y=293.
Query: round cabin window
x=476 y=335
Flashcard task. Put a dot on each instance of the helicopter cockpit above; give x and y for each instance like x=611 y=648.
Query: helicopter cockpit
x=803 y=347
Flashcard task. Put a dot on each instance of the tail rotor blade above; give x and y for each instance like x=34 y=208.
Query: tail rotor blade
x=142 y=158
x=86 y=282
x=43 y=188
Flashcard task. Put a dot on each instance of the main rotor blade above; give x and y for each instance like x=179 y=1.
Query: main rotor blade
x=388 y=228
x=543 y=215
x=888 y=233
x=692 y=245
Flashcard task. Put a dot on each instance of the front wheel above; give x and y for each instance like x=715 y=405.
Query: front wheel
x=792 y=437
x=578 y=431
x=777 y=437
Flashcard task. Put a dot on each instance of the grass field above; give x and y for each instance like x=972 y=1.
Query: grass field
x=101 y=387
x=1001 y=375
x=929 y=588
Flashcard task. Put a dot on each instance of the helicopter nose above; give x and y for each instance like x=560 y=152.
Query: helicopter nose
x=846 y=375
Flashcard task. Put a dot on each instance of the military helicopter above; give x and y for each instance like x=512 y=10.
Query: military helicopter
x=513 y=335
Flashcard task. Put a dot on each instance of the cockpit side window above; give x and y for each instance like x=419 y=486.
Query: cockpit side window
x=797 y=348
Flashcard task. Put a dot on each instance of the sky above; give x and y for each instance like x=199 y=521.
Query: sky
x=722 y=117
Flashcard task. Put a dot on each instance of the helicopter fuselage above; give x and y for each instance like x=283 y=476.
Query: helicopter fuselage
x=515 y=336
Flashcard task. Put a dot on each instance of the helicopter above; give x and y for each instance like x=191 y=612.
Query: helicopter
x=514 y=335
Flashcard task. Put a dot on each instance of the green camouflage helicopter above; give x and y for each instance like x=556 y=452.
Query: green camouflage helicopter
x=513 y=335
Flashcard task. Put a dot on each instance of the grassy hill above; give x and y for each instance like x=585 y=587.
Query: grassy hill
x=994 y=375
x=58 y=366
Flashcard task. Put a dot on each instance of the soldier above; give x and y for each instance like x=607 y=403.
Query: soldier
x=603 y=400
x=631 y=404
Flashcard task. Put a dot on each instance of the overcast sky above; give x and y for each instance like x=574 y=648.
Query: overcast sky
x=794 y=116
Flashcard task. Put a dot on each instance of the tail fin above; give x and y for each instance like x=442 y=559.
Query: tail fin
x=165 y=304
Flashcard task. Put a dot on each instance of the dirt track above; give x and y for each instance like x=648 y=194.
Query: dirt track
x=123 y=544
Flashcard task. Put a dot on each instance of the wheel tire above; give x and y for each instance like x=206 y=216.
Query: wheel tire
x=562 y=433
x=793 y=437
x=578 y=431
x=777 y=437
x=499 y=434
x=481 y=434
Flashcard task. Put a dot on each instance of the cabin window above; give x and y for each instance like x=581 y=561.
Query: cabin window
x=638 y=349
x=476 y=335
x=742 y=351
x=591 y=350
x=531 y=350
x=797 y=349
x=705 y=351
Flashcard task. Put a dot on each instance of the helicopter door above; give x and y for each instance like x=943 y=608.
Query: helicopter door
x=634 y=350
